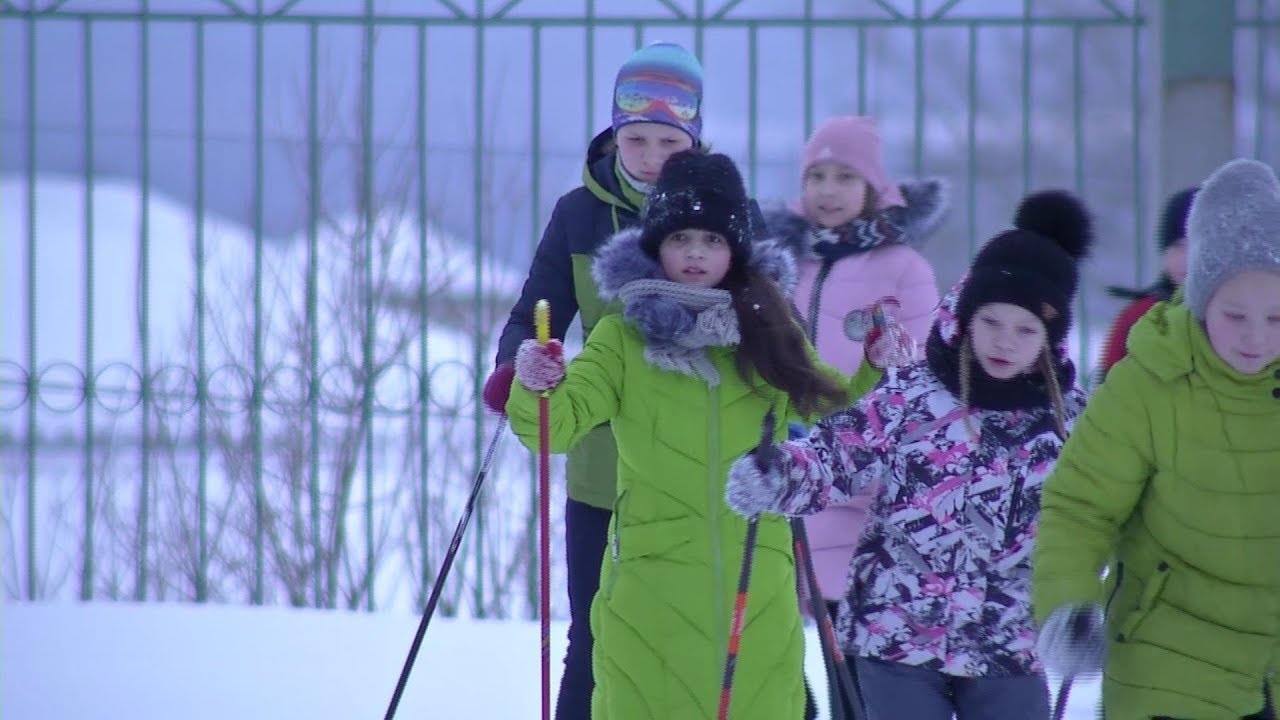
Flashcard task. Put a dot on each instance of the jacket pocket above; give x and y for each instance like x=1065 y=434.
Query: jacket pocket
x=1151 y=593
x=615 y=546
x=631 y=541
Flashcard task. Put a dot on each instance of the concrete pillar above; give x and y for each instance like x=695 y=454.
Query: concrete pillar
x=1197 y=91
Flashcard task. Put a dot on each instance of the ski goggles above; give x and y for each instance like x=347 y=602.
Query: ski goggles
x=646 y=97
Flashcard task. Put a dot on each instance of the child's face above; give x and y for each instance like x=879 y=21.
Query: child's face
x=1175 y=261
x=1007 y=339
x=1242 y=321
x=644 y=147
x=833 y=194
x=695 y=257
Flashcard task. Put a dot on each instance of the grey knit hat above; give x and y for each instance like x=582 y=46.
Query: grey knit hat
x=1234 y=226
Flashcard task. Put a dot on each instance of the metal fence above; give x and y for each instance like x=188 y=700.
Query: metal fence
x=255 y=254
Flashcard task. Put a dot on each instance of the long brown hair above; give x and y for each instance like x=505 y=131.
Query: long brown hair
x=870 y=201
x=773 y=348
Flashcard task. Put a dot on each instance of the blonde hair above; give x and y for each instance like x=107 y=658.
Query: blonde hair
x=1055 y=391
x=1045 y=362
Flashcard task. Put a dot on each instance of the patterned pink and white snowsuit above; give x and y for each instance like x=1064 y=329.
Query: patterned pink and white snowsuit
x=942 y=577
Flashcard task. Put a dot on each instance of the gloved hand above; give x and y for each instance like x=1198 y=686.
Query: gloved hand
x=498 y=388
x=1073 y=641
x=754 y=484
x=540 y=367
x=888 y=344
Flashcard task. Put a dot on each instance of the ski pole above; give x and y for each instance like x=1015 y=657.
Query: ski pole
x=1080 y=627
x=445 y=566
x=1064 y=692
x=838 y=672
x=542 y=323
x=763 y=457
x=739 y=617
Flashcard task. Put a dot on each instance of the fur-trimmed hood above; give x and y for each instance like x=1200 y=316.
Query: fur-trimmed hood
x=927 y=204
x=621 y=260
x=679 y=322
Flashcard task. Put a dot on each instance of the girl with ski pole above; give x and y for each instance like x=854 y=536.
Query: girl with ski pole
x=704 y=346
x=937 y=612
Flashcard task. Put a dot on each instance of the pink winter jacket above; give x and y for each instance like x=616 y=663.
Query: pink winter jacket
x=839 y=286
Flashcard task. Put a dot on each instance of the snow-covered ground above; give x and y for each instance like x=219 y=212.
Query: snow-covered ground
x=161 y=661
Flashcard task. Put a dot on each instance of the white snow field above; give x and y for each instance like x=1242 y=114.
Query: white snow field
x=160 y=661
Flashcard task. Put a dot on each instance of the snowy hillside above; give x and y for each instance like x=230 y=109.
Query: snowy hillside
x=407 y=470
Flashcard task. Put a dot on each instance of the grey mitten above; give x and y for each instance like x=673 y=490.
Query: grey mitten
x=754 y=485
x=1072 y=641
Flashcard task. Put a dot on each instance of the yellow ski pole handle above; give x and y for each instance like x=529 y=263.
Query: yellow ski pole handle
x=542 y=321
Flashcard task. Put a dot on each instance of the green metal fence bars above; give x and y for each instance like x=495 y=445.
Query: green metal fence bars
x=255 y=253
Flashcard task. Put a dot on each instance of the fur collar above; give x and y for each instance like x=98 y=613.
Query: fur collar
x=621 y=260
x=927 y=205
x=678 y=322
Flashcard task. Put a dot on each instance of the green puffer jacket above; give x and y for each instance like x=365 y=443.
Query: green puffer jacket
x=1172 y=475
x=661 y=618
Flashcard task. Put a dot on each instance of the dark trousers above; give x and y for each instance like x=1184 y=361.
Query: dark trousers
x=836 y=696
x=893 y=691
x=586 y=533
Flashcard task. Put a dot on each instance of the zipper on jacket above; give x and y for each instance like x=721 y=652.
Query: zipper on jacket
x=714 y=507
x=1147 y=601
x=1115 y=589
x=815 y=300
x=615 y=545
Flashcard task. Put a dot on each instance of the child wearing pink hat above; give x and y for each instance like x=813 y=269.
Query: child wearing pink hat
x=855 y=234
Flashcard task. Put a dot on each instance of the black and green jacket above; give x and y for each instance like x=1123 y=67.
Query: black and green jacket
x=582 y=220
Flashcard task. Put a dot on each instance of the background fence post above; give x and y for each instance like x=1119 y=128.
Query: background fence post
x=1197 y=91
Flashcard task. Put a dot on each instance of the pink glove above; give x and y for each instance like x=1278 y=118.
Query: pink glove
x=540 y=367
x=891 y=345
x=498 y=387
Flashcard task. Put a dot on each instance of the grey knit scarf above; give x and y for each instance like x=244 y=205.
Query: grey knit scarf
x=680 y=322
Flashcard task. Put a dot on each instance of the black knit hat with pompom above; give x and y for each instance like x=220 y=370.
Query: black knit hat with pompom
x=1035 y=265
x=699 y=190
